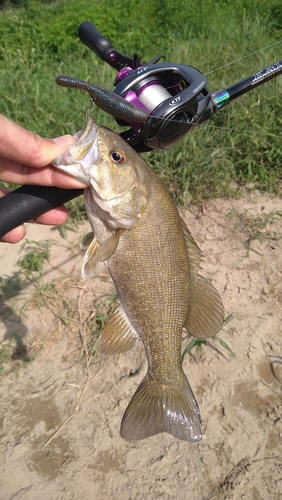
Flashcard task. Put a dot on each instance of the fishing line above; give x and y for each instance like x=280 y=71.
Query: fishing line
x=88 y=108
x=153 y=95
x=243 y=130
x=240 y=130
x=244 y=57
x=224 y=66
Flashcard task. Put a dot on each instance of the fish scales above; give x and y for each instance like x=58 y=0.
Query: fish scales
x=154 y=287
x=154 y=263
x=154 y=290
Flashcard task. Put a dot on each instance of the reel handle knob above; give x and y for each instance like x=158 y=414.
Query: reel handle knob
x=92 y=38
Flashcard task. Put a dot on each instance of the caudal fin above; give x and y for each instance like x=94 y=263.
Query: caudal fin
x=158 y=408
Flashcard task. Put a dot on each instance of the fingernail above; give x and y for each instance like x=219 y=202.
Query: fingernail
x=64 y=140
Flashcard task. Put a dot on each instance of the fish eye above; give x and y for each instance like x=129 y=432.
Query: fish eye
x=118 y=156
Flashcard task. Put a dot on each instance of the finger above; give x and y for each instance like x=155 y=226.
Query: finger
x=26 y=147
x=14 y=236
x=54 y=217
x=17 y=173
x=4 y=190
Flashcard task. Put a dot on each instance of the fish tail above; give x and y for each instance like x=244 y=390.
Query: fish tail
x=158 y=408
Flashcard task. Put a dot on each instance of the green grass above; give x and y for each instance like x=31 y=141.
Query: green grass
x=242 y=144
x=102 y=313
x=35 y=254
x=198 y=343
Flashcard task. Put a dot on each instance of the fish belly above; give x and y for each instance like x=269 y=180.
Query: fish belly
x=150 y=269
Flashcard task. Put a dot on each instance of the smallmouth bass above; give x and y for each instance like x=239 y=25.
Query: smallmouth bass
x=153 y=260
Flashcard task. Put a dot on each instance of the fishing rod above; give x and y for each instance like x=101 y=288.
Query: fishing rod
x=160 y=102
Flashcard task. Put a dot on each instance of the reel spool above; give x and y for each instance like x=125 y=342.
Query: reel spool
x=175 y=96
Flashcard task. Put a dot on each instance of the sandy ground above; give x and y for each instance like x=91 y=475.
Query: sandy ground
x=78 y=406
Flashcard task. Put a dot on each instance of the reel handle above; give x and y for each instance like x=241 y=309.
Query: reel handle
x=192 y=106
x=92 y=38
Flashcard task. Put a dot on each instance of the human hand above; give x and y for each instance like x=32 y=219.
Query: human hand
x=24 y=159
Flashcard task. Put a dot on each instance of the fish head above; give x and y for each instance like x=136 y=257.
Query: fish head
x=103 y=160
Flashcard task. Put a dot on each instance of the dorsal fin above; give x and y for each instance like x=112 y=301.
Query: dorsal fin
x=206 y=312
x=195 y=253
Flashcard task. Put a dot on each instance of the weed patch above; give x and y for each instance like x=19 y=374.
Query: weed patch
x=242 y=144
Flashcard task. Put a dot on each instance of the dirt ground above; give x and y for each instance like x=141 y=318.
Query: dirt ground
x=60 y=415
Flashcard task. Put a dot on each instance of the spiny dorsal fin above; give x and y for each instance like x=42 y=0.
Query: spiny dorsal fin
x=206 y=311
x=118 y=335
x=158 y=408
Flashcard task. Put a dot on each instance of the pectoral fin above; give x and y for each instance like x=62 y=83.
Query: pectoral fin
x=206 y=311
x=90 y=267
x=118 y=335
x=86 y=241
x=96 y=254
x=109 y=246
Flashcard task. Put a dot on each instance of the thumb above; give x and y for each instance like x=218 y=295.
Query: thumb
x=28 y=148
x=64 y=140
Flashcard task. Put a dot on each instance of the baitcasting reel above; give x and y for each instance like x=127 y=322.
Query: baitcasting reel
x=174 y=95
x=160 y=103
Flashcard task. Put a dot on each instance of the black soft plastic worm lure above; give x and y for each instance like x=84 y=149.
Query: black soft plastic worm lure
x=112 y=103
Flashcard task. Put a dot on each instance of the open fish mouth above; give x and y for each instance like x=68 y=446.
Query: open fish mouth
x=80 y=156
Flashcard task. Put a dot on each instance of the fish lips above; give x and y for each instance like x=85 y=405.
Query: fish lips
x=80 y=156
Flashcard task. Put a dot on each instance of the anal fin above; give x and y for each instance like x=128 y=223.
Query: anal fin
x=118 y=335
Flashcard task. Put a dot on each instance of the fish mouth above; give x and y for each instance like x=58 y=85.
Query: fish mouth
x=81 y=155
